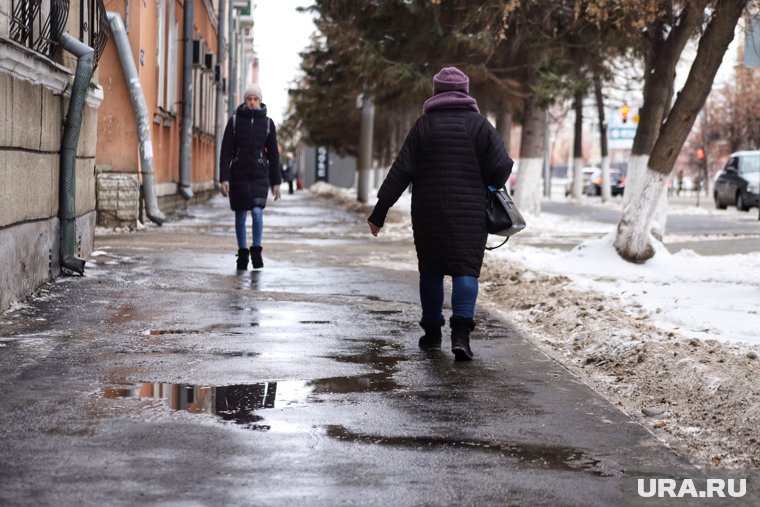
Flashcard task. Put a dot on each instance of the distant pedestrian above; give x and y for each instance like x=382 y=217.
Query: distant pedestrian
x=250 y=167
x=289 y=170
x=450 y=156
x=679 y=189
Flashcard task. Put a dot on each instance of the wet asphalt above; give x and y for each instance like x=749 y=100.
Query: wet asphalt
x=166 y=377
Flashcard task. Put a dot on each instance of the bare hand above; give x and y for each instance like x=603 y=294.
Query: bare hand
x=373 y=228
x=225 y=188
x=276 y=192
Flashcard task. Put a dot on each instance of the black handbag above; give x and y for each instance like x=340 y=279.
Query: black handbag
x=502 y=217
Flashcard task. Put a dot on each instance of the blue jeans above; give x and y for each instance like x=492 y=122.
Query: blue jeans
x=257 y=227
x=464 y=294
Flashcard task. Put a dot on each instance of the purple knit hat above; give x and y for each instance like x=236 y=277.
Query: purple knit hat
x=451 y=79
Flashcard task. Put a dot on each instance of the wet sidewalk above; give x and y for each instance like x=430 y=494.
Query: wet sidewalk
x=165 y=376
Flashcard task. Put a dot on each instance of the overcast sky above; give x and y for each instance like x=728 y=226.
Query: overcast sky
x=279 y=34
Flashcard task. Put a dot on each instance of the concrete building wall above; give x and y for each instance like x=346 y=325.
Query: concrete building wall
x=34 y=95
x=116 y=119
x=155 y=36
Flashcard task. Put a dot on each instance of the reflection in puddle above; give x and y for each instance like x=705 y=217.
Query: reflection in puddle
x=371 y=383
x=236 y=403
x=243 y=404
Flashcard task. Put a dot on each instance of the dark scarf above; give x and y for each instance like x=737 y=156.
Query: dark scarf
x=450 y=100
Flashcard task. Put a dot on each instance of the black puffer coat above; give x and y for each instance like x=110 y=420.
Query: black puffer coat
x=450 y=157
x=249 y=158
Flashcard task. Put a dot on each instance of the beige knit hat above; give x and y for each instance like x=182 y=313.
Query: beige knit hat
x=253 y=89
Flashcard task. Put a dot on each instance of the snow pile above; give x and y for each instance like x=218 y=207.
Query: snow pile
x=702 y=297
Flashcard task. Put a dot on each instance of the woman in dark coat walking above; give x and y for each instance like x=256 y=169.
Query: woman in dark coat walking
x=450 y=156
x=249 y=166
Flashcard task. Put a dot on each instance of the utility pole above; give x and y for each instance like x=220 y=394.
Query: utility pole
x=547 y=159
x=365 y=146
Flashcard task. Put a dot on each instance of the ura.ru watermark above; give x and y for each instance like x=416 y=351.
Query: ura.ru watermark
x=691 y=488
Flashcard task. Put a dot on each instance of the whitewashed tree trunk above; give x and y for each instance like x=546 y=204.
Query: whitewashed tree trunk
x=528 y=189
x=660 y=214
x=606 y=182
x=577 y=178
x=643 y=219
x=599 y=95
x=637 y=167
x=634 y=233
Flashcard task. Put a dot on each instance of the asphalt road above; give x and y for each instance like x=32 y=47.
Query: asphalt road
x=165 y=377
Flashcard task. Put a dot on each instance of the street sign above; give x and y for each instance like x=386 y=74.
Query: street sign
x=621 y=137
x=322 y=163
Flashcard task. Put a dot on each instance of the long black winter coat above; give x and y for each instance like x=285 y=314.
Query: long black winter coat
x=249 y=158
x=450 y=157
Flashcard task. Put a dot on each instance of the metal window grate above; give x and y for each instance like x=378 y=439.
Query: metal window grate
x=38 y=24
x=94 y=28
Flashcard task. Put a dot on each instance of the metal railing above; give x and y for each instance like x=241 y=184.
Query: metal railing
x=93 y=28
x=38 y=24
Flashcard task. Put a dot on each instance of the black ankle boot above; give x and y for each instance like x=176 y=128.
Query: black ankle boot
x=460 y=337
x=256 y=260
x=432 y=338
x=242 y=259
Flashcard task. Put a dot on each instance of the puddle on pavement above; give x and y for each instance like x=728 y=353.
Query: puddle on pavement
x=371 y=383
x=239 y=404
x=276 y=317
x=160 y=332
x=538 y=456
x=243 y=404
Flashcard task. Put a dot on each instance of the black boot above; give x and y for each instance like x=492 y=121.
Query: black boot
x=432 y=338
x=242 y=259
x=256 y=261
x=460 y=337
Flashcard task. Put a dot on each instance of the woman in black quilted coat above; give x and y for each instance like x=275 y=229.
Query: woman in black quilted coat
x=451 y=156
x=249 y=166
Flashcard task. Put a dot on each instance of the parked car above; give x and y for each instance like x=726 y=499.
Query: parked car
x=617 y=182
x=587 y=172
x=738 y=184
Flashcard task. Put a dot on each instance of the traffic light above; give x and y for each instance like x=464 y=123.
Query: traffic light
x=624 y=112
x=700 y=153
